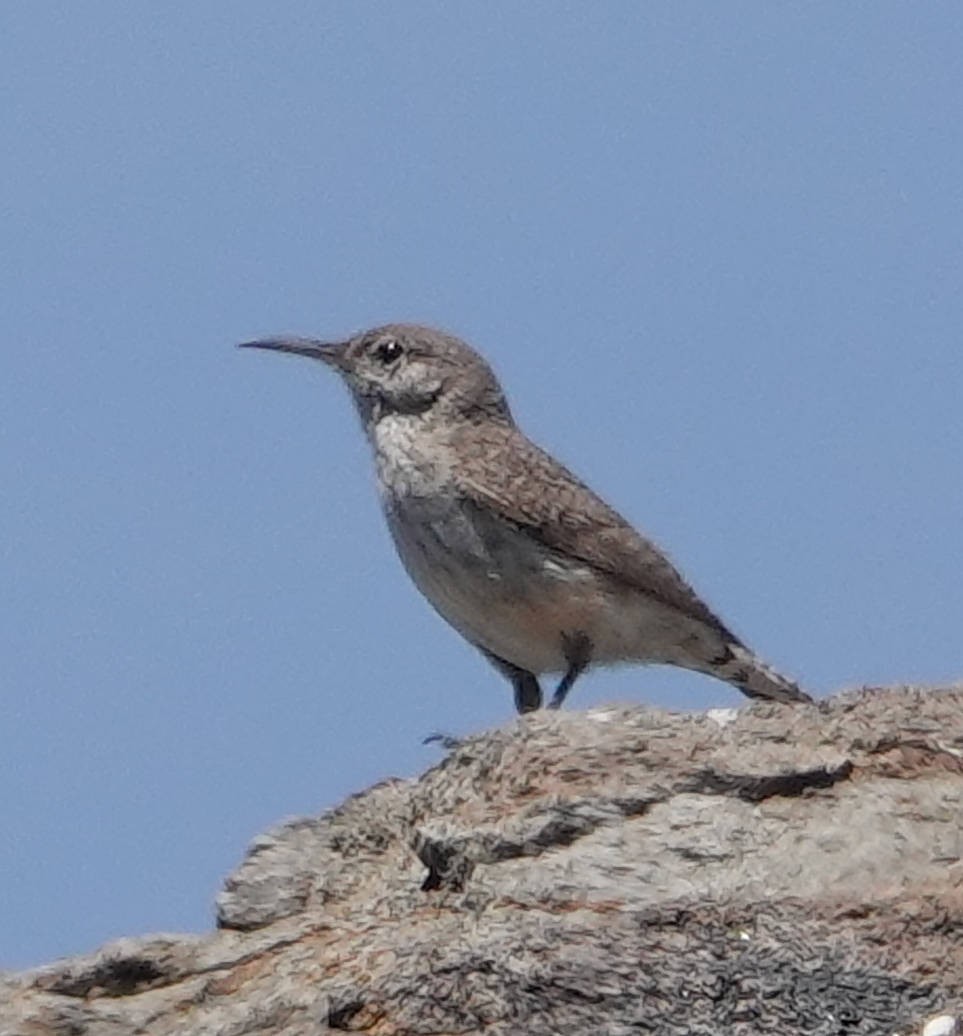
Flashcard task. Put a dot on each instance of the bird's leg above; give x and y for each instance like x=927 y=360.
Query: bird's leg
x=528 y=693
x=577 y=649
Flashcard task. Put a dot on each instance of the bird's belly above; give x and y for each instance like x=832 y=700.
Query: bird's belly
x=507 y=593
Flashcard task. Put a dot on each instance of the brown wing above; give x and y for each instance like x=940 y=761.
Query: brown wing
x=529 y=488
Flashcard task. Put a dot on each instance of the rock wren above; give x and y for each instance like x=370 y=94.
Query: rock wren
x=509 y=547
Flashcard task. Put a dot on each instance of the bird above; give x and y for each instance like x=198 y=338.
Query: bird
x=514 y=551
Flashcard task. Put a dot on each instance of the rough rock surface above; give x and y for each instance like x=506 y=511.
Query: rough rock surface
x=605 y=873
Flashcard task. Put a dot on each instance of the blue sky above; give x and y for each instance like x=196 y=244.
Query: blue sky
x=713 y=250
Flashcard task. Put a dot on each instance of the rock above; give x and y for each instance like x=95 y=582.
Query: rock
x=613 y=872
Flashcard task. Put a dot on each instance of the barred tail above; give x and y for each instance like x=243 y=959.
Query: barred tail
x=740 y=667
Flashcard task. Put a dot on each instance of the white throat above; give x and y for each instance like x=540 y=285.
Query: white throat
x=410 y=456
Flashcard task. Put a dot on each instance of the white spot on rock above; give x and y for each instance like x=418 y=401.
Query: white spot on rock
x=941 y=1025
x=723 y=717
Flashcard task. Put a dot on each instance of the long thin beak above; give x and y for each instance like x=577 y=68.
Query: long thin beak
x=331 y=353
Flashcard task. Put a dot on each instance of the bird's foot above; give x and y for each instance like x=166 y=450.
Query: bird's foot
x=447 y=741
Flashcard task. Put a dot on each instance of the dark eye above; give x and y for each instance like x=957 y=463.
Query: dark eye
x=388 y=352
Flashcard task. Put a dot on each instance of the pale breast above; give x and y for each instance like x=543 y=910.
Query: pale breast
x=498 y=585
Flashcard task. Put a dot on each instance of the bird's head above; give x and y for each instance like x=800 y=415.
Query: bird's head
x=406 y=369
